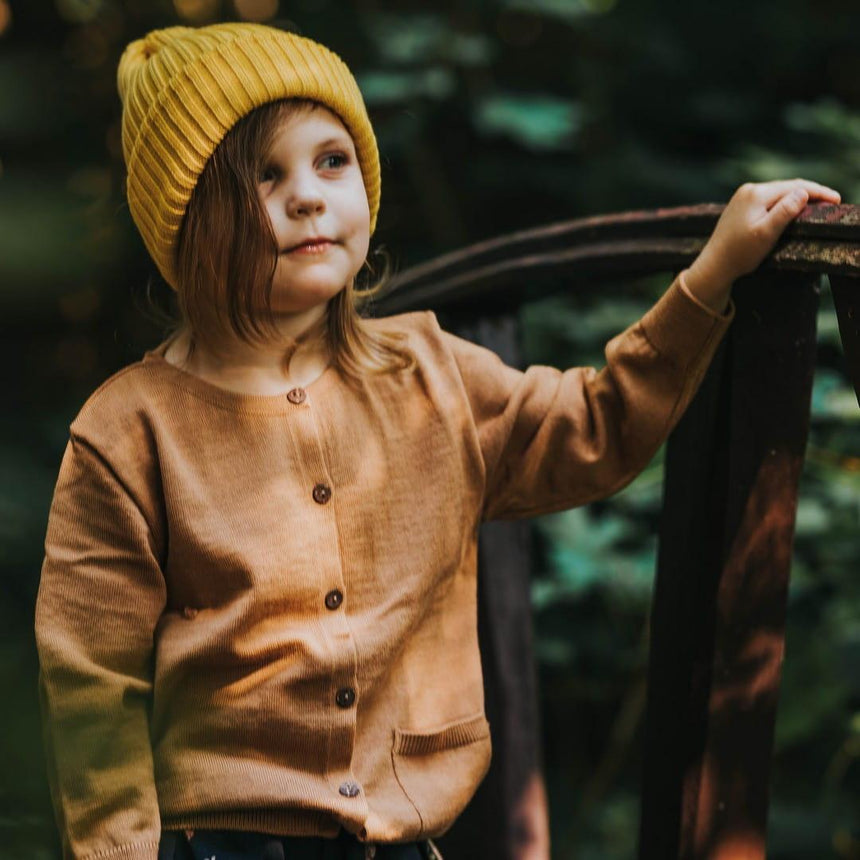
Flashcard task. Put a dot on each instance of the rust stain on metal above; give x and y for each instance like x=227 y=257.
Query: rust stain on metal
x=829 y=213
x=816 y=255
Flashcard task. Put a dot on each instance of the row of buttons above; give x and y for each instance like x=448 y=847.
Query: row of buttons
x=322 y=494
x=345 y=696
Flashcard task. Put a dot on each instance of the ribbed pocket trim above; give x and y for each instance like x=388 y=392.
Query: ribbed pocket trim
x=453 y=735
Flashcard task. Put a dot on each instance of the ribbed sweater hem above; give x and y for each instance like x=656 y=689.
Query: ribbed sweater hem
x=278 y=822
x=132 y=851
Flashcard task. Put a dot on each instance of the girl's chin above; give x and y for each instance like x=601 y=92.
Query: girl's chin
x=290 y=303
x=312 y=289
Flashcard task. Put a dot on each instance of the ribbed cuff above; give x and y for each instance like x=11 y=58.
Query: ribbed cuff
x=680 y=326
x=682 y=279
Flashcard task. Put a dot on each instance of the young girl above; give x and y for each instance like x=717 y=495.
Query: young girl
x=257 y=613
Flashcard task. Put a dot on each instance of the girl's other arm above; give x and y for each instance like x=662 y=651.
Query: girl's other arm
x=100 y=596
x=748 y=229
x=552 y=440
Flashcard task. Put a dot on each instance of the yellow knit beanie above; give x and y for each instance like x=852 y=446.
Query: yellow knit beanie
x=184 y=88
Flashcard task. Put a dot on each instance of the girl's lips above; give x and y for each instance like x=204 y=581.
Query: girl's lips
x=311 y=248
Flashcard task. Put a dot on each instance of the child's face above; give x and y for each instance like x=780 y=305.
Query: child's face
x=311 y=187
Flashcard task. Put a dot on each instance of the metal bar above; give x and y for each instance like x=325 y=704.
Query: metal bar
x=718 y=618
x=532 y=263
x=846 y=297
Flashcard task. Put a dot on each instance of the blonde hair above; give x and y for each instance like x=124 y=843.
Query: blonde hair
x=227 y=254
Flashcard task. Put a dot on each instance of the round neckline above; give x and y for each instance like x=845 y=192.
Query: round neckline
x=224 y=397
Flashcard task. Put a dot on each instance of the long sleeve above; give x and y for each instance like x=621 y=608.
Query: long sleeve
x=552 y=440
x=100 y=596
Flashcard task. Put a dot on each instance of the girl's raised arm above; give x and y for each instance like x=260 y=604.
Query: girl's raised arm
x=552 y=440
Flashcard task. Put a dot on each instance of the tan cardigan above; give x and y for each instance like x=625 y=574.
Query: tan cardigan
x=259 y=612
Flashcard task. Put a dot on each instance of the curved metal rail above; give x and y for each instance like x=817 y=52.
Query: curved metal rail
x=732 y=472
x=530 y=263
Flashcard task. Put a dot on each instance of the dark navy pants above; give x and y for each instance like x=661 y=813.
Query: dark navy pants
x=236 y=845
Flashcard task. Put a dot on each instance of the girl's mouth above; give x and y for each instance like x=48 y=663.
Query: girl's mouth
x=315 y=246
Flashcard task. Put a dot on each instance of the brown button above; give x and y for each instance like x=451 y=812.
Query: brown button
x=189 y=612
x=349 y=788
x=333 y=599
x=297 y=395
x=321 y=494
x=344 y=697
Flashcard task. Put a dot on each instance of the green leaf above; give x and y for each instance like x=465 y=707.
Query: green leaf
x=536 y=121
x=411 y=39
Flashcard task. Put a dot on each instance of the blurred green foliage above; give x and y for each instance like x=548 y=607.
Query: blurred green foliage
x=592 y=598
x=491 y=116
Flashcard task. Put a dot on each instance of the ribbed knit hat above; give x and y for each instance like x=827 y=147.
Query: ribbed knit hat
x=184 y=88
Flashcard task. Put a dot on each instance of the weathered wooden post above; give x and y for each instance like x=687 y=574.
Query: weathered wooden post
x=718 y=622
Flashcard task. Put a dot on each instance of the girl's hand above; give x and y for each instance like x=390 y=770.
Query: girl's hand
x=747 y=230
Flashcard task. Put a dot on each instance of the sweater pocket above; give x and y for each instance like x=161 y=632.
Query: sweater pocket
x=440 y=769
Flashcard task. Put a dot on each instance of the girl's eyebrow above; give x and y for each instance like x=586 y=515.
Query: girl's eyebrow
x=340 y=140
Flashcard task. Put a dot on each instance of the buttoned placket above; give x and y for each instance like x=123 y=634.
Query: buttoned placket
x=322 y=494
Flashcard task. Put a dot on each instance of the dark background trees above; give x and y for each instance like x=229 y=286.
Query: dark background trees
x=491 y=116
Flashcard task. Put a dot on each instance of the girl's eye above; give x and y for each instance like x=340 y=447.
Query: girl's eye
x=268 y=174
x=334 y=160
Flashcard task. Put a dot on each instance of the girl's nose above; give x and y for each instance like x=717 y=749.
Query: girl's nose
x=304 y=201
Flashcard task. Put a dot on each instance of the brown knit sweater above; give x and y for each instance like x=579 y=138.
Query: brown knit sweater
x=259 y=612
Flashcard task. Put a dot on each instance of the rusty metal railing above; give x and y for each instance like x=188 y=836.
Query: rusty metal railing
x=732 y=471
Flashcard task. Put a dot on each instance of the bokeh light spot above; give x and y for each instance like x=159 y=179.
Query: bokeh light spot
x=5 y=16
x=256 y=10
x=197 y=11
x=79 y=11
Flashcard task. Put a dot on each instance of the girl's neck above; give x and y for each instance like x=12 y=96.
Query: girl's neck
x=293 y=361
